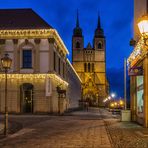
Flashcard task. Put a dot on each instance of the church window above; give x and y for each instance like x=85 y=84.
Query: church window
x=27 y=58
x=85 y=67
x=88 y=67
x=100 y=46
x=92 y=67
x=77 y=45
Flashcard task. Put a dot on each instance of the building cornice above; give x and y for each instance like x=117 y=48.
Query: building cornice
x=34 y=76
x=34 y=34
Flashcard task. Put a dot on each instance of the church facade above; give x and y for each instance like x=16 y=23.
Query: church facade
x=90 y=64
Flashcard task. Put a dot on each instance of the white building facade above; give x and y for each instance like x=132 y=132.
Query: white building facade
x=39 y=64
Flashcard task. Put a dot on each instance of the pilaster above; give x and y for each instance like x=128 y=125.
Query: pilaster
x=15 y=42
x=145 y=68
x=37 y=55
x=133 y=97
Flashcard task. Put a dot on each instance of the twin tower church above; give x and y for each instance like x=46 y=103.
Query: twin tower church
x=40 y=71
x=90 y=64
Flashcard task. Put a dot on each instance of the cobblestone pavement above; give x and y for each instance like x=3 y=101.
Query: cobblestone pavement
x=125 y=134
x=79 y=130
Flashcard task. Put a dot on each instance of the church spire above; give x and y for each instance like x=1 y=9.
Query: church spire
x=99 y=24
x=99 y=31
x=77 y=22
x=77 y=32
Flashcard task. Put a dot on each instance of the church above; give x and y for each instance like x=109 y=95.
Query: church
x=90 y=64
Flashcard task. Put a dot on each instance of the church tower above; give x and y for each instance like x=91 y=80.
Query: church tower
x=99 y=44
x=77 y=47
x=90 y=64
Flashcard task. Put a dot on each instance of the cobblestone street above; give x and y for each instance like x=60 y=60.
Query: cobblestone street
x=96 y=128
x=79 y=130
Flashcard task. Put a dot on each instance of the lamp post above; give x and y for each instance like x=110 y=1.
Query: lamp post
x=6 y=64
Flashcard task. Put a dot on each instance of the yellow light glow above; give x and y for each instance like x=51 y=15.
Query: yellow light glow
x=112 y=105
x=115 y=103
x=143 y=25
x=34 y=33
x=121 y=102
x=35 y=76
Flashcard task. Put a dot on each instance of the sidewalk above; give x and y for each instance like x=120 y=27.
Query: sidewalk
x=125 y=134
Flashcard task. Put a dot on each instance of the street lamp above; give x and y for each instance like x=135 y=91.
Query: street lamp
x=6 y=64
x=143 y=25
x=113 y=95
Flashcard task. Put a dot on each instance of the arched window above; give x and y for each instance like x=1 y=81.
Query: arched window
x=88 y=67
x=85 y=67
x=77 y=45
x=27 y=58
x=100 y=45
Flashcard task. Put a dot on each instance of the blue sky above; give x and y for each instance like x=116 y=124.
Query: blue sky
x=116 y=20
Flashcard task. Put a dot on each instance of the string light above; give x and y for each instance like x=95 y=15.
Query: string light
x=35 y=76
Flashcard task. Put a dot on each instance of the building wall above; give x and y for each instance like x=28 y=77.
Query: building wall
x=74 y=88
x=139 y=10
x=43 y=68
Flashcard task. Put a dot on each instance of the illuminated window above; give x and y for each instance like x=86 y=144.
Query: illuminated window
x=27 y=58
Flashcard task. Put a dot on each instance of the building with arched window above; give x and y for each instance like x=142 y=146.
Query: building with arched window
x=41 y=77
x=90 y=64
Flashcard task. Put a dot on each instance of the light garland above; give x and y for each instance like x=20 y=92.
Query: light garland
x=34 y=76
x=34 y=33
x=137 y=53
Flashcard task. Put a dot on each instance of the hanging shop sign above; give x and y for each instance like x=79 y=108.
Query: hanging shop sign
x=135 y=71
x=48 y=87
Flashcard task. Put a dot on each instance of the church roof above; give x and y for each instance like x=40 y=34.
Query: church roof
x=89 y=45
x=21 y=19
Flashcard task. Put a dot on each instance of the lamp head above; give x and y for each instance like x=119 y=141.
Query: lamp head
x=6 y=62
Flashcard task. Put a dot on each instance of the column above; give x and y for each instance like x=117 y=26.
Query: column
x=145 y=69
x=133 y=97
x=51 y=42
x=37 y=55
x=15 y=42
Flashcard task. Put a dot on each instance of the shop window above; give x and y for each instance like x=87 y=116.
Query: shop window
x=140 y=96
x=27 y=58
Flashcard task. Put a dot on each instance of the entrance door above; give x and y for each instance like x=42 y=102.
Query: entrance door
x=27 y=98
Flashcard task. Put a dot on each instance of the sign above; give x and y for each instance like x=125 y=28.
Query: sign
x=48 y=87
x=135 y=71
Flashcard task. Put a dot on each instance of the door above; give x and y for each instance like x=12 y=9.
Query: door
x=26 y=98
